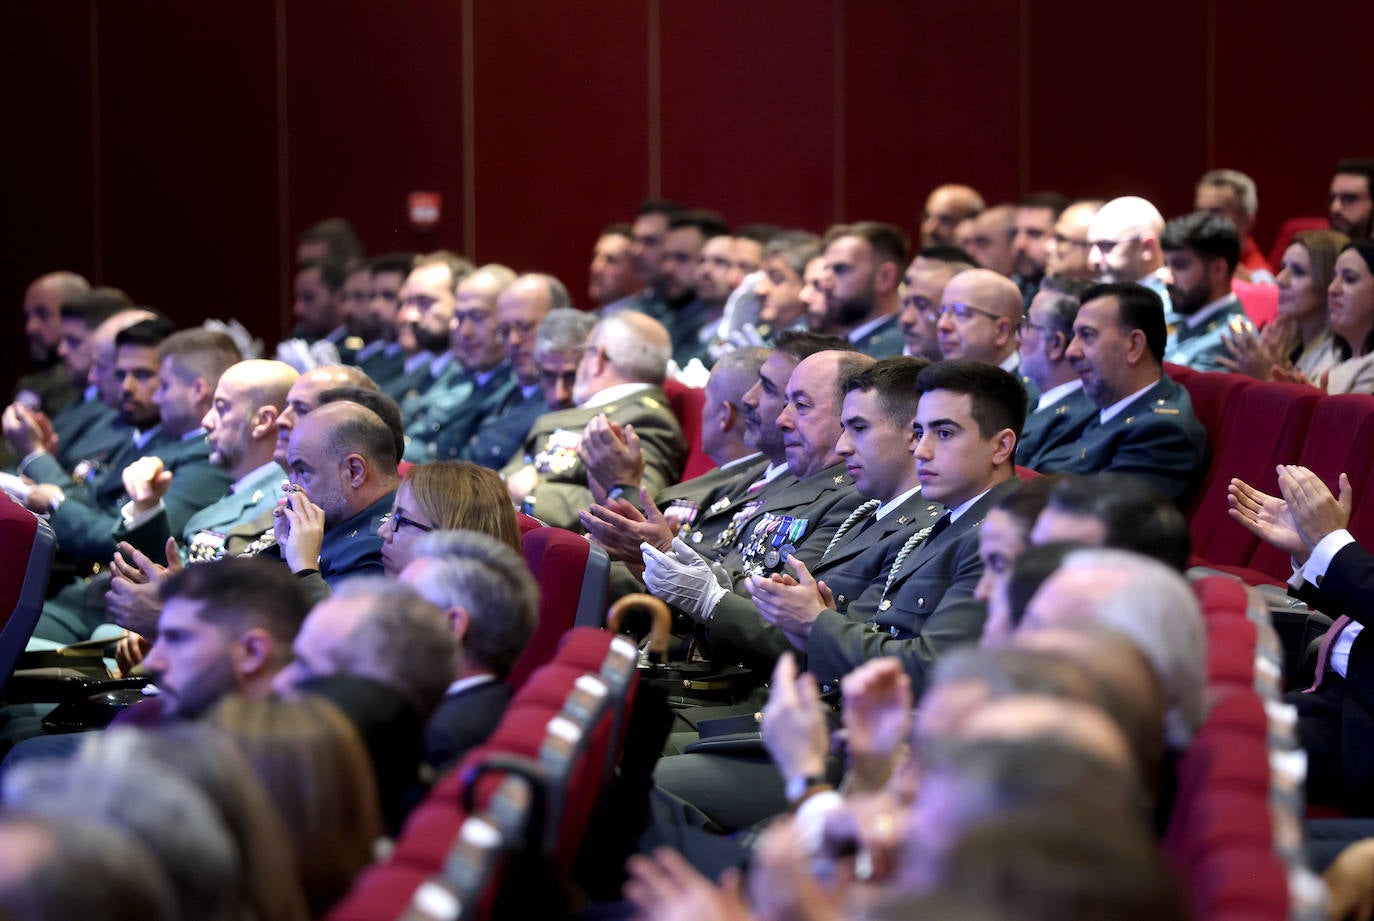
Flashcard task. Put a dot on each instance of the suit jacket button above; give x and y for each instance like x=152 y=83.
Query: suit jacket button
x=840 y=599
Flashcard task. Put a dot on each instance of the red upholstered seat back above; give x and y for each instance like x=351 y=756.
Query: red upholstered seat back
x=24 y=567
x=1261 y=302
x=572 y=577
x=1269 y=426
x=686 y=403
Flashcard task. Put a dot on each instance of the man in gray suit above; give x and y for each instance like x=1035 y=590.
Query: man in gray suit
x=965 y=429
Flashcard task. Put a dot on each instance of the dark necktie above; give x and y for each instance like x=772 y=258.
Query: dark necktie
x=938 y=528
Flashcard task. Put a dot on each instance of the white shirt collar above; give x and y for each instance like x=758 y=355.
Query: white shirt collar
x=482 y=377
x=611 y=394
x=893 y=503
x=957 y=512
x=1012 y=363
x=741 y=460
x=253 y=476
x=440 y=363
x=92 y=392
x=1111 y=412
x=471 y=681
x=141 y=439
x=1209 y=311
x=531 y=391
x=194 y=434
x=774 y=471
x=863 y=329
x=1055 y=394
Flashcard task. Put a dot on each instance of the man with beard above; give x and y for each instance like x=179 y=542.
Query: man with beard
x=1352 y=198
x=1035 y=218
x=1145 y=424
x=696 y=261
x=423 y=321
x=49 y=388
x=780 y=285
x=945 y=208
x=1201 y=251
x=860 y=281
x=382 y=358
x=648 y=235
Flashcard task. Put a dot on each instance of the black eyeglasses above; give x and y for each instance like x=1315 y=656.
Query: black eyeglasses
x=399 y=522
x=962 y=312
x=1026 y=324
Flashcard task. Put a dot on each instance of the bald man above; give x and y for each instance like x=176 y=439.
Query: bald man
x=945 y=208
x=619 y=394
x=1067 y=253
x=980 y=311
x=49 y=388
x=1123 y=245
x=241 y=428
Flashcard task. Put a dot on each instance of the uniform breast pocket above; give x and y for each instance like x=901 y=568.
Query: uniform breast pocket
x=910 y=605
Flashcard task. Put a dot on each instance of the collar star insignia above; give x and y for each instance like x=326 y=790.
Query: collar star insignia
x=903 y=520
x=839 y=478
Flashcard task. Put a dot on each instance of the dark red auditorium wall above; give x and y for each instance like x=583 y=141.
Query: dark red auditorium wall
x=175 y=149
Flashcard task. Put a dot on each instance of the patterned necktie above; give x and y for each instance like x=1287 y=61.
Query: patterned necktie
x=1324 y=650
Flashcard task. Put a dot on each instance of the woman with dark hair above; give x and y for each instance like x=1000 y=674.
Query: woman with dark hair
x=1299 y=338
x=446 y=496
x=1004 y=536
x=1350 y=302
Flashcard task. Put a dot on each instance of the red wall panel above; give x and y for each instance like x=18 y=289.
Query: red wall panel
x=374 y=111
x=188 y=157
x=748 y=107
x=562 y=126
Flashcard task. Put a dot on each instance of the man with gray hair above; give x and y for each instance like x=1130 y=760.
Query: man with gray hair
x=1062 y=410
x=1231 y=193
x=492 y=603
x=618 y=389
x=1148 y=602
x=521 y=309
x=779 y=288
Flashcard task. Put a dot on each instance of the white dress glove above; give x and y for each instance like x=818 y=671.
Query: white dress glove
x=682 y=578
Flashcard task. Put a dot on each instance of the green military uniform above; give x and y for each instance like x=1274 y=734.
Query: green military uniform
x=1046 y=429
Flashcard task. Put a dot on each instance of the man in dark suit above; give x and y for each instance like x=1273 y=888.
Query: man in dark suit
x=1062 y=410
x=966 y=425
x=381 y=357
x=618 y=391
x=49 y=388
x=492 y=603
x=1336 y=575
x=860 y=282
x=1145 y=424
x=422 y=324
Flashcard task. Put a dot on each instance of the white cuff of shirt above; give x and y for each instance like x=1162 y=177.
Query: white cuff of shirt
x=811 y=815
x=1322 y=554
x=137 y=520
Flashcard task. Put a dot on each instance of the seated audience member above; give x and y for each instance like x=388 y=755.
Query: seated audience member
x=316 y=771
x=988 y=236
x=82 y=314
x=558 y=348
x=1035 y=217
x=1333 y=574
x=1123 y=246
x=152 y=804
x=1066 y=255
x=89 y=450
x=1002 y=538
x=945 y=207
x=978 y=317
x=445 y=496
x=874 y=443
x=618 y=389
x=611 y=278
x=923 y=286
x=1232 y=194
x=1146 y=601
x=341 y=461
x=492 y=602
x=1118 y=512
x=271 y=887
x=861 y=281
x=331 y=239
x=1351 y=311
x=779 y=288
x=691 y=315
x=60 y=869
x=1351 y=198
x=318 y=304
x=384 y=656
x=1200 y=253
x=1061 y=410
x=423 y=323
x=521 y=309
x=725 y=527
x=241 y=430
x=1297 y=344
x=1145 y=424
x=382 y=358
x=966 y=425
x=468 y=376
x=49 y=388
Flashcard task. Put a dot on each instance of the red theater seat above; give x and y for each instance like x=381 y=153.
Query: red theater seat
x=1213 y=396
x=686 y=403
x=24 y=567
x=573 y=576
x=1261 y=302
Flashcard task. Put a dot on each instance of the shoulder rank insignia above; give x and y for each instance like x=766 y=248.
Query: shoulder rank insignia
x=650 y=403
x=1166 y=411
x=839 y=478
